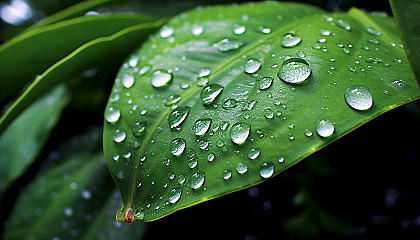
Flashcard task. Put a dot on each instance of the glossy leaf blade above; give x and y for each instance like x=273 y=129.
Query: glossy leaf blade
x=23 y=140
x=407 y=19
x=111 y=49
x=73 y=198
x=33 y=52
x=243 y=93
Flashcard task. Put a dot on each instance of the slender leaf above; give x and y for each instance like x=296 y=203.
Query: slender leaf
x=23 y=140
x=73 y=198
x=32 y=52
x=110 y=49
x=407 y=19
x=213 y=105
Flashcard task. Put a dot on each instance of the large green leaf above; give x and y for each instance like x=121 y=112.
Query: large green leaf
x=101 y=51
x=72 y=198
x=407 y=18
x=33 y=52
x=22 y=141
x=205 y=113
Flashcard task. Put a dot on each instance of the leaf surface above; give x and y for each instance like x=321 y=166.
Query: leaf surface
x=22 y=141
x=71 y=198
x=225 y=97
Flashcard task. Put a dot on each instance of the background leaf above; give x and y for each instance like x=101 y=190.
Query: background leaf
x=73 y=197
x=23 y=140
x=168 y=167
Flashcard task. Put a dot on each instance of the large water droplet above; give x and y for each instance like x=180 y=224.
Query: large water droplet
x=177 y=116
x=139 y=128
x=161 y=78
x=252 y=65
x=196 y=180
x=265 y=83
x=177 y=146
x=128 y=80
x=294 y=70
x=226 y=45
x=119 y=136
x=201 y=126
x=325 y=128
x=254 y=153
x=175 y=195
x=240 y=132
x=210 y=92
x=344 y=25
x=227 y=174
x=241 y=168
x=358 y=97
x=112 y=115
x=266 y=169
x=290 y=40
x=239 y=29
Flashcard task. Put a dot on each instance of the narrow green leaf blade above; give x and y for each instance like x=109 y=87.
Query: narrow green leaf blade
x=111 y=49
x=23 y=140
x=406 y=15
x=215 y=106
x=73 y=197
x=33 y=52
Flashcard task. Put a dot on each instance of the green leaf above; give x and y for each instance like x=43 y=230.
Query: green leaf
x=33 y=52
x=73 y=197
x=205 y=112
x=104 y=50
x=407 y=19
x=22 y=141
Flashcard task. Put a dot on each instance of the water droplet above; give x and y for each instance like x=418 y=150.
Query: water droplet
x=373 y=31
x=241 y=168
x=290 y=40
x=226 y=45
x=265 y=83
x=201 y=126
x=229 y=103
x=280 y=158
x=196 y=180
x=177 y=146
x=266 y=169
x=344 y=25
x=112 y=115
x=399 y=84
x=143 y=70
x=254 y=153
x=210 y=157
x=239 y=132
x=325 y=32
x=263 y=29
x=175 y=195
x=172 y=99
x=119 y=136
x=308 y=133
x=197 y=29
x=358 y=97
x=161 y=78
x=268 y=113
x=325 y=128
x=177 y=116
x=239 y=29
x=294 y=70
x=252 y=65
x=210 y=92
x=227 y=174
x=166 y=32
x=68 y=211
x=192 y=162
x=139 y=128
x=204 y=72
x=128 y=80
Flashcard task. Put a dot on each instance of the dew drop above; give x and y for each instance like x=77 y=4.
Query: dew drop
x=399 y=84
x=229 y=103
x=265 y=83
x=226 y=45
x=227 y=174
x=325 y=128
x=201 y=126
x=175 y=195
x=204 y=72
x=280 y=158
x=344 y=25
x=210 y=92
x=196 y=180
x=139 y=129
x=210 y=157
x=177 y=116
x=268 y=113
x=119 y=136
x=373 y=31
x=161 y=78
x=358 y=97
x=241 y=168
x=112 y=115
x=68 y=211
x=254 y=153
x=172 y=99
x=325 y=32
x=307 y=133
x=263 y=29
x=177 y=146
x=166 y=32
x=128 y=80
x=252 y=65
x=266 y=169
x=197 y=29
x=294 y=70
x=239 y=132
x=239 y=29
x=290 y=40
